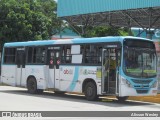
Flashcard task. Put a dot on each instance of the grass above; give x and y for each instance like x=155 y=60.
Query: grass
x=153 y=99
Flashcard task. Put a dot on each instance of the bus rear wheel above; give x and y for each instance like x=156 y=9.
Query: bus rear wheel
x=32 y=85
x=122 y=99
x=91 y=91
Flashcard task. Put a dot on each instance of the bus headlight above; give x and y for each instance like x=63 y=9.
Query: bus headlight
x=126 y=82
x=154 y=85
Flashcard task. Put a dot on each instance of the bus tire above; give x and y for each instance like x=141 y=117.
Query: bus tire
x=90 y=91
x=122 y=99
x=32 y=85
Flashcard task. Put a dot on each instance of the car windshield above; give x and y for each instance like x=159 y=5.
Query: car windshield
x=139 y=62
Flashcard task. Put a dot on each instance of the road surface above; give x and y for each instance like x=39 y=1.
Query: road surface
x=17 y=99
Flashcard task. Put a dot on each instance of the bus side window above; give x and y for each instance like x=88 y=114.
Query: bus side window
x=82 y=53
x=9 y=55
x=36 y=55
x=29 y=59
x=92 y=54
x=40 y=55
x=66 y=54
x=87 y=52
x=99 y=54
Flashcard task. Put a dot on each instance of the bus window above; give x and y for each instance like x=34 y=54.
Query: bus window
x=82 y=53
x=99 y=54
x=29 y=59
x=66 y=54
x=9 y=55
x=36 y=55
x=92 y=54
x=39 y=55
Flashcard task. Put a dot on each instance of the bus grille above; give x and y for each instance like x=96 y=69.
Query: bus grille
x=142 y=91
x=141 y=81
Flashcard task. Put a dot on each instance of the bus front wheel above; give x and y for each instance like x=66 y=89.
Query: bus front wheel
x=122 y=99
x=91 y=91
x=32 y=85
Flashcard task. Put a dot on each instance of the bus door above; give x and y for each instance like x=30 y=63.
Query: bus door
x=53 y=62
x=20 y=69
x=109 y=71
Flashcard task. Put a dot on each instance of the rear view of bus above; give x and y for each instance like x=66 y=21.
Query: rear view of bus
x=138 y=71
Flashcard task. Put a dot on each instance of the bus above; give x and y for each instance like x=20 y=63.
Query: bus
x=157 y=45
x=100 y=66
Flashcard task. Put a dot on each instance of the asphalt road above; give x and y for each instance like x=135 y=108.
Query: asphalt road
x=13 y=98
x=18 y=99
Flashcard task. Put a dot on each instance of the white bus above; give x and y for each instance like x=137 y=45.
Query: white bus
x=119 y=66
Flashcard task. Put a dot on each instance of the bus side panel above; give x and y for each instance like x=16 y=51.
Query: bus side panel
x=39 y=72
x=69 y=76
x=8 y=75
x=93 y=73
x=72 y=78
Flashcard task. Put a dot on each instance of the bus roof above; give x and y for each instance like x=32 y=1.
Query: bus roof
x=72 y=41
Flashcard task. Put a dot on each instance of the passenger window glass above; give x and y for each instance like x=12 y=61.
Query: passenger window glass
x=92 y=54
x=66 y=54
x=36 y=55
x=9 y=55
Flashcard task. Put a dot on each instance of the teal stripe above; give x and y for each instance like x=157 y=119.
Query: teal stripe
x=29 y=43
x=75 y=79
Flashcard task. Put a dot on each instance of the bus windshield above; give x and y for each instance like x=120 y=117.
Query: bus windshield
x=139 y=61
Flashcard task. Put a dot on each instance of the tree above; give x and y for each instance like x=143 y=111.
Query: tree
x=101 y=31
x=23 y=20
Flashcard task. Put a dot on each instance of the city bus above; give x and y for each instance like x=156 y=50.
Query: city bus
x=100 y=66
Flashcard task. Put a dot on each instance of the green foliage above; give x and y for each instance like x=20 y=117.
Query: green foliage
x=101 y=31
x=23 y=20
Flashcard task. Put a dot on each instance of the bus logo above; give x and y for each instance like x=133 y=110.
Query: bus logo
x=68 y=71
